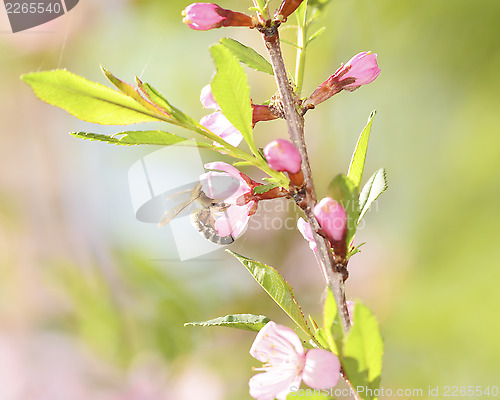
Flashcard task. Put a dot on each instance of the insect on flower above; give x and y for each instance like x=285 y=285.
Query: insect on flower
x=203 y=218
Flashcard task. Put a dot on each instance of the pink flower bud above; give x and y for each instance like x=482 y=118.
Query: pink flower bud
x=332 y=218
x=283 y=156
x=363 y=68
x=205 y=16
x=359 y=70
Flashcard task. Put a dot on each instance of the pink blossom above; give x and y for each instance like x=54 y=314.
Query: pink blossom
x=282 y=155
x=306 y=231
x=238 y=195
x=207 y=98
x=332 y=218
x=205 y=16
x=217 y=122
x=287 y=364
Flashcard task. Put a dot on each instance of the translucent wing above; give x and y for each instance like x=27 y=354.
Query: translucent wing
x=169 y=215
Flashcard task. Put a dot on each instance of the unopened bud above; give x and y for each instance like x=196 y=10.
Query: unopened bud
x=288 y=7
x=332 y=218
x=282 y=155
x=205 y=16
x=359 y=70
x=363 y=68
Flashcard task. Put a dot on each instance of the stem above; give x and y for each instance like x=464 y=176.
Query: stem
x=300 y=61
x=295 y=124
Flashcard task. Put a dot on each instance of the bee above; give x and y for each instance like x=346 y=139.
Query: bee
x=203 y=219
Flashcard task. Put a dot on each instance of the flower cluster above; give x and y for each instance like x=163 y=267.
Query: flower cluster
x=286 y=362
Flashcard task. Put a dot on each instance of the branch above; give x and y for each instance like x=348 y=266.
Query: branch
x=295 y=123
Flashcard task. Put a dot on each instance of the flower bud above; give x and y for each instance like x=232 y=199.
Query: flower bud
x=332 y=218
x=288 y=7
x=205 y=16
x=283 y=156
x=359 y=70
x=363 y=68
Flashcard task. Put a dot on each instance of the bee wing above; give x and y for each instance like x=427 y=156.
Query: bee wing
x=174 y=212
x=178 y=194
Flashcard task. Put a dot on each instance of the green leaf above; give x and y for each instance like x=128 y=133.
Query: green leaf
x=354 y=250
x=89 y=101
x=342 y=189
x=357 y=164
x=230 y=90
x=362 y=353
x=160 y=101
x=247 y=56
x=134 y=137
x=264 y=188
x=332 y=326
x=247 y=322
x=278 y=288
x=375 y=186
x=129 y=90
x=316 y=34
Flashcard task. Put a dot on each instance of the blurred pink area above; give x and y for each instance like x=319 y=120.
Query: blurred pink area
x=53 y=367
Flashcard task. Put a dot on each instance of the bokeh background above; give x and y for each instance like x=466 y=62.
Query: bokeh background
x=93 y=301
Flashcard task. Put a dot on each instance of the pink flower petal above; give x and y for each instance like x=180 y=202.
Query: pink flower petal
x=276 y=342
x=306 y=231
x=220 y=186
x=322 y=369
x=233 y=221
x=227 y=168
x=273 y=384
x=207 y=98
x=220 y=125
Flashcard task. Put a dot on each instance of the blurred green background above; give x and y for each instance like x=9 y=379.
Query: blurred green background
x=92 y=301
